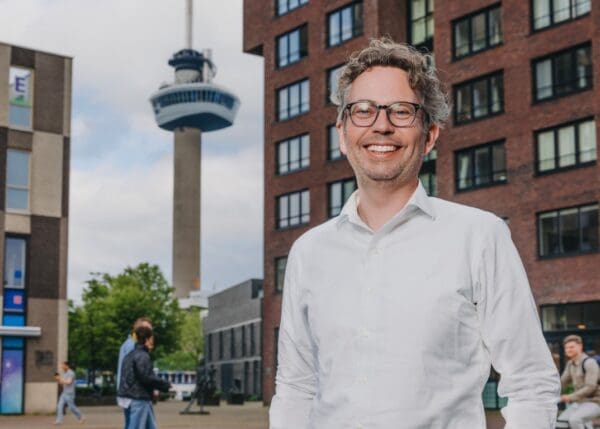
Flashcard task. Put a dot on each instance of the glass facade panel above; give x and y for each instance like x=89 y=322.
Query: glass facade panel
x=20 y=98
x=543 y=74
x=587 y=141
x=548 y=230
x=589 y=228
x=479 y=32
x=482 y=166
x=480 y=99
x=333 y=145
x=569 y=230
x=546 y=153
x=14 y=262
x=566 y=146
x=17 y=179
x=464 y=171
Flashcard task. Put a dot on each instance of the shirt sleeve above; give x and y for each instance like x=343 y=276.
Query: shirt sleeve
x=512 y=334
x=565 y=377
x=296 y=379
x=590 y=382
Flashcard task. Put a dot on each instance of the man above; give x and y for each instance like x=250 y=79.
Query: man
x=138 y=381
x=582 y=372
x=393 y=312
x=127 y=347
x=67 y=380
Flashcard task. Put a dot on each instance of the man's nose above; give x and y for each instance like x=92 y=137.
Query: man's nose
x=382 y=123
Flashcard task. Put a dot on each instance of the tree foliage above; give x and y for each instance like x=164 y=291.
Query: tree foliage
x=110 y=306
x=191 y=344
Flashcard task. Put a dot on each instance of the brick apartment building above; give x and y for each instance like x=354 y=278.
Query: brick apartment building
x=35 y=123
x=521 y=141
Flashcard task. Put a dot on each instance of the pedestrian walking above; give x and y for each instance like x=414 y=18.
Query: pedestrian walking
x=67 y=380
x=403 y=294
x=582 y=372
x=138 y=381
x=127 y=347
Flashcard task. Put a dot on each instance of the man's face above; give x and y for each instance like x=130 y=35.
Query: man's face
x=383 y=153
x=573 y=349
x=64 y=367
x=150 y=343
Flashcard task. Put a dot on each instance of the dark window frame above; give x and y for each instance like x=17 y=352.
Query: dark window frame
x=302 y=51
x=471 y=152
x=232 y=352
x=555 y=129
x=552 y=23
x=221 y=345
x=288 y=10
x=300 y=215
x=279 y=285
x=244 y=348
x=558 y=210
x=470 y=83
x=552 y=57
x=427 y=44
x=252 y=341
x=469 y=18
x=357 y=28
x=287 y=88
x=342 y=182
x=288 y=142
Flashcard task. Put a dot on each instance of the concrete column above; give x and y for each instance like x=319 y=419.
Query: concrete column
x=186 y=211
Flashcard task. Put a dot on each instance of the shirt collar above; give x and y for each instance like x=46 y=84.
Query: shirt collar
x=419 y=200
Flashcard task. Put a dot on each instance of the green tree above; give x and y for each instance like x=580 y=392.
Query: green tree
x=191 y=345
x=110 y=306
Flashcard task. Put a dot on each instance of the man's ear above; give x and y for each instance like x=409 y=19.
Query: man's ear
x=432 y=136
x=341 y=137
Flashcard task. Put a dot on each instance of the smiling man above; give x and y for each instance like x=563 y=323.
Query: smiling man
x=394 y=311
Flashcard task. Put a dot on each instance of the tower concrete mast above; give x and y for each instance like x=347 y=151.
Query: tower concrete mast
x=189 y=106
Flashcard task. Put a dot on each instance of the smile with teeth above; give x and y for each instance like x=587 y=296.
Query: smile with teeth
x=382 y=148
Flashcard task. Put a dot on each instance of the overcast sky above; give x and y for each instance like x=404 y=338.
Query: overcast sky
x=121 y=162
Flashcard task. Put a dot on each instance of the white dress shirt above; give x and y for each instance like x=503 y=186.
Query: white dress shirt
x=397 y=328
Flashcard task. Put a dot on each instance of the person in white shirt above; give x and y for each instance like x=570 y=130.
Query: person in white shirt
x=394 y=311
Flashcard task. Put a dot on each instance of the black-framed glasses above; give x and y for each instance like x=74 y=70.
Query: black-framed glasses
x=364 y=113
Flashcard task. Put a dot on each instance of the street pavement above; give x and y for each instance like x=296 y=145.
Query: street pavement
x=252 y=415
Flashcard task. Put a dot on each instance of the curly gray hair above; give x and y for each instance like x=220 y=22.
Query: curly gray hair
x=422 y=76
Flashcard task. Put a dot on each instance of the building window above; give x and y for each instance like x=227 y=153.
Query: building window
x=292 y=46
x=20 y=101
x=332 y=80
x=14 y=262
x=280 y=264
x=221 y=344
x=285 y=6
x=232 y=342
x=293 y=100
x=252 y=342
x=276 y=349
x=345 y=23
x=209 y=346
x=339 y=192
x=256 y=377
x=481 y=166
x=17 y=179
x=293 y=154
x=568 y=231
x=563 y=73
x=477 y=32
x=479 y=98
x=333 y=144
x=427 y=173
x=547 y=13
x=243 y=340
x=569 y=317
x=293 y=209
x=566 y=146
x=421 y=23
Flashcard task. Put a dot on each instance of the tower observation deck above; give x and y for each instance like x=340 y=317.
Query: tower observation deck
x=192 y=104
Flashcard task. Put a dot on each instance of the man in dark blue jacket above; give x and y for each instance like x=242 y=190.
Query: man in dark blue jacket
x=138 y=381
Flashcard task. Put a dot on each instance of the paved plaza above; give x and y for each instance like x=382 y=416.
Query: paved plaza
x=252 y=415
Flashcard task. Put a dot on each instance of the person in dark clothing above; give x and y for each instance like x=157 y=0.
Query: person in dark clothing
x=138 y=381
